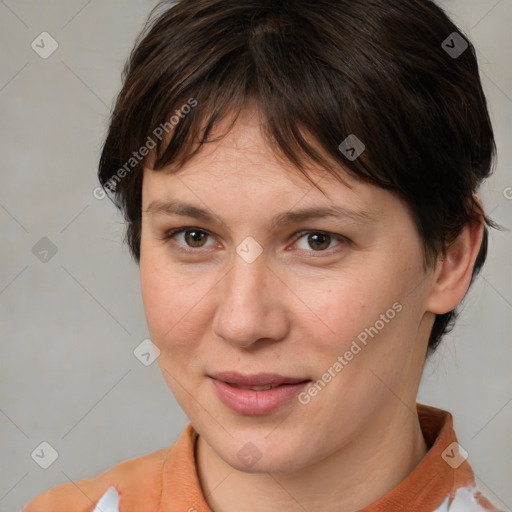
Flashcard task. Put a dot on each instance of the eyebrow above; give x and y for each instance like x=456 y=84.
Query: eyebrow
x=177 y=207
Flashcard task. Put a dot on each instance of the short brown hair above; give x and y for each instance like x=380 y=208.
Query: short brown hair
x=326 y=68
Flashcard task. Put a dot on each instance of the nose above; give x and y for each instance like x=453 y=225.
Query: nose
x=251 y=305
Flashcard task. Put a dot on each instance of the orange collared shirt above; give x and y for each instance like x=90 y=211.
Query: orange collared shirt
x=167 y=481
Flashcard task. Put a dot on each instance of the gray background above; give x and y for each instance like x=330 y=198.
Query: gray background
x=68 y=326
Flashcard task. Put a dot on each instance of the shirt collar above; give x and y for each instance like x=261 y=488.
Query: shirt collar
x=437 y=476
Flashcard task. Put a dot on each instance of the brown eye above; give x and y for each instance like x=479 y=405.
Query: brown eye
x=194 y=238
x=191 y=238
x=319 y=241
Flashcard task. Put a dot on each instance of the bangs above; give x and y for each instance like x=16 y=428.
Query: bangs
x=295 y=106
x=308 y=105
x=289 y=142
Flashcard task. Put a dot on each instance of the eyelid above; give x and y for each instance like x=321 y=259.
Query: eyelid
x=171 y=234
x=327 y=252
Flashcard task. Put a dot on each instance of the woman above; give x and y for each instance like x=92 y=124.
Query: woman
x=299 y=180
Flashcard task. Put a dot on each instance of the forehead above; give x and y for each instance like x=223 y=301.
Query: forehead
x=238 y=169
x=243 y=151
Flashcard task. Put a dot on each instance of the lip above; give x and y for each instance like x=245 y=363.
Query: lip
x=250 y=402
x=258 y=379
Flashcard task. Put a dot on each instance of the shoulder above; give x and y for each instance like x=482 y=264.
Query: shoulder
x=138 y=481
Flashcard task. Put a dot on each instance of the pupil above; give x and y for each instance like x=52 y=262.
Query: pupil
x=194 y=235
x=314 y=236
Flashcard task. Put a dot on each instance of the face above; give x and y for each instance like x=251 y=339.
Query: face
x=327 y=309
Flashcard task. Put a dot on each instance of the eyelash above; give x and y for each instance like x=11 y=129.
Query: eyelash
x=190 y=250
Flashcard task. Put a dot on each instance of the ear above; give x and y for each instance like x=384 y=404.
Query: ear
x=453 y=272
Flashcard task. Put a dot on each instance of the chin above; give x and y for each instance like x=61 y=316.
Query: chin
x=274 y=463
x=254 y=451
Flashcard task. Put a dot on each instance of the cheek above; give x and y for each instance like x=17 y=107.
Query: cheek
x=175 y=305
x=339 y=310
x=366 y=317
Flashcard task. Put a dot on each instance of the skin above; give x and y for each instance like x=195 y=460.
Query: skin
x=293 y=311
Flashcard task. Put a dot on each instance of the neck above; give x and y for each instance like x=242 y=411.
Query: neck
x=348 y=480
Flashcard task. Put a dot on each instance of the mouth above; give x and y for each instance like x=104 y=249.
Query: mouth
x=254 y=388
x=256 y=382
x=256 y=394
